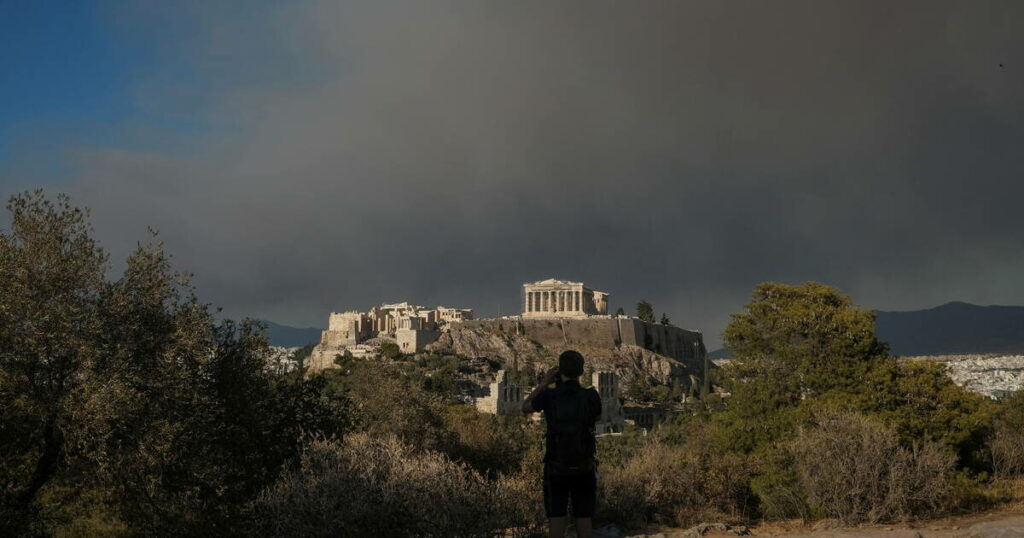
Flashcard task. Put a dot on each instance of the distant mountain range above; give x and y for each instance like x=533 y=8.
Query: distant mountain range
x=285 y=336
x=951 y=329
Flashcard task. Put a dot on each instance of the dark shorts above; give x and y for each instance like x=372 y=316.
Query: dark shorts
x=581 y=489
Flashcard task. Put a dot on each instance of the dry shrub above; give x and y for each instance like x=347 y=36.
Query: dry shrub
x=365 y=486
x=854 y=469
x=676 y=485
x=1007 y=450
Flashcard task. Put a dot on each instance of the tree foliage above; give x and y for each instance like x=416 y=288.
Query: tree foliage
x=807 y=347
x=645 y=311
x=390 y=350
x=130 y=410
x=128 y=393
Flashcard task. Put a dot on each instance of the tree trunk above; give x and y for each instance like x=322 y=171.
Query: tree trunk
x=46 y=467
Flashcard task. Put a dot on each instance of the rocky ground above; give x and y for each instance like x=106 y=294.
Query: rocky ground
x=991 y=375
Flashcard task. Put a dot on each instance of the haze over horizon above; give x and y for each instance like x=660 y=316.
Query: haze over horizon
x=312 y=156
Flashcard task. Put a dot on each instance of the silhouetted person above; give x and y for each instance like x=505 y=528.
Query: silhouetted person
x=569 y=465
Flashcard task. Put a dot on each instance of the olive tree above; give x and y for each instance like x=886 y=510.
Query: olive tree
x=128 y=397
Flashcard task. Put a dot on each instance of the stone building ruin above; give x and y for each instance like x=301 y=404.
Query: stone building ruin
x=553 y=298
x=612 y=420
x=351 y=328
x=505 y=397
x=411 y=326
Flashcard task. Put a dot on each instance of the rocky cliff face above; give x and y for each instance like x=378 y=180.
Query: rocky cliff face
x=516 y=351
x=510 y=349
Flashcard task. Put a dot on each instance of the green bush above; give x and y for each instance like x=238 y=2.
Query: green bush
x=389 y=350
x=778 y=489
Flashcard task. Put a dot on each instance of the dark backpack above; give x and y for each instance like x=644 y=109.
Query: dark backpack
x=569 y=428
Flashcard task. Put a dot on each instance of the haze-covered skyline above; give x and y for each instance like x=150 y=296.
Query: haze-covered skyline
x=308 y=156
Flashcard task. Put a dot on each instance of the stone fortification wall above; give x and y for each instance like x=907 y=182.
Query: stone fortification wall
x=680 y=344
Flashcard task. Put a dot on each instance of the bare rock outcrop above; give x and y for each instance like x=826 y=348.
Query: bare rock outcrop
x=517 y=351
x=509 y=349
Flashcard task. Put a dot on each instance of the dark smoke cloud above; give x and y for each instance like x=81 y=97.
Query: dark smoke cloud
x=678 y=152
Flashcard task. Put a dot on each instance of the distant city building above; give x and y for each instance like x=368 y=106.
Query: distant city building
x=560 y=299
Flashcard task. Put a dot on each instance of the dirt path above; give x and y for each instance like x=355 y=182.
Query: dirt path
x=985 y=525
x=998 y=524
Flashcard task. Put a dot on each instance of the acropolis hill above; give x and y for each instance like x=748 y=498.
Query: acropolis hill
x=556 y=315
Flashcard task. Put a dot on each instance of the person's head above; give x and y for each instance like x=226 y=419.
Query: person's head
x=570 y=364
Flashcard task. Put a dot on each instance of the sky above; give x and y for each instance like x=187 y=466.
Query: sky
x=302 y=157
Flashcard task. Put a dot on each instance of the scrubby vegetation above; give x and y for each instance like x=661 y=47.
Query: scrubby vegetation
x=381 y=486
x=130 y=410
x=677 y=482
x=854 y=469
x=820 y=421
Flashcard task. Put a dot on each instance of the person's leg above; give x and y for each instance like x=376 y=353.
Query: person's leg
x=558 y=525
x=583 y=492
x=584 y=527
x=556 y=503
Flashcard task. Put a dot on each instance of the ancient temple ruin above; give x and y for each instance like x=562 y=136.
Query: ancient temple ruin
x=560 y=298
x=411 y=326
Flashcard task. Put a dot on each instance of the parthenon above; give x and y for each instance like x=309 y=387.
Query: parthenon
x=558 y=298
